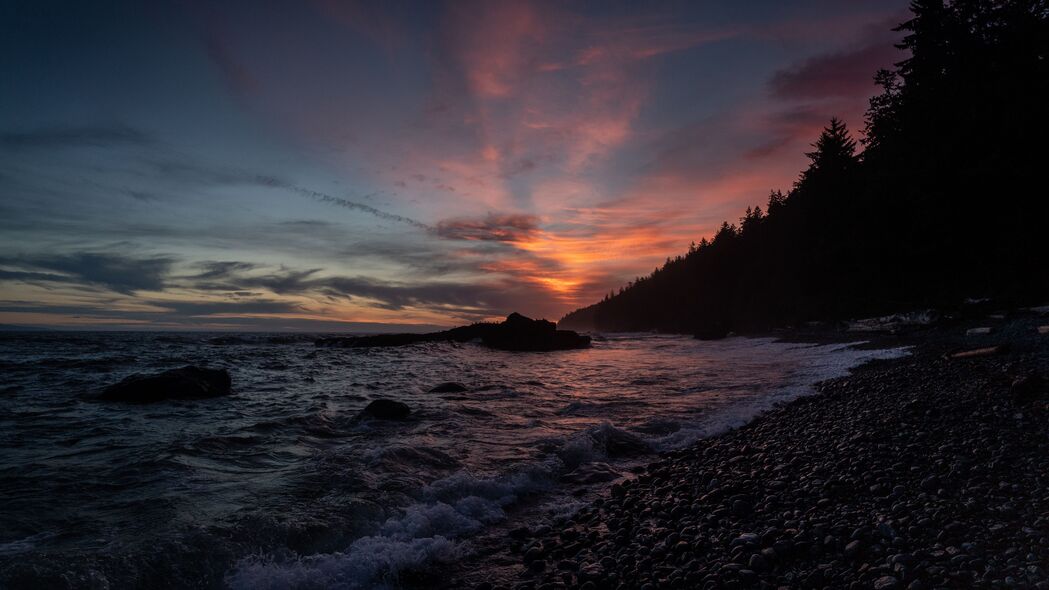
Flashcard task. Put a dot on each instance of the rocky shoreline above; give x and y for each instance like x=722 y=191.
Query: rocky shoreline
x=925 y=472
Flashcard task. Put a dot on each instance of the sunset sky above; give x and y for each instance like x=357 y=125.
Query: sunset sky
x=325 y=165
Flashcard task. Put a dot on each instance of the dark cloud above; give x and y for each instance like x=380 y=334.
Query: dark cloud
x=113 y=271
x=105 y=318
x=211 y=269
x=845 y=73
x=787 y=127
x=507 y=227
x=521 y=166
x=384 y=294
x=459 y=298
x=285 y=282
x=348 y=204
x=188 y=172
x=61 y=137
x=250 y=306
x=33 y=277
x=240 y=79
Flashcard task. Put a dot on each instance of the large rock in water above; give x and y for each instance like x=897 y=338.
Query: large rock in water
x=386 y=409
x=517 y=333
x=186 y=383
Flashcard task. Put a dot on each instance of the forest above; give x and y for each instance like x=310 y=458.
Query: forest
x=941 y=199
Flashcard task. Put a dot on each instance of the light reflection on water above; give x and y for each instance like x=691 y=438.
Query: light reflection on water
x=285 y=468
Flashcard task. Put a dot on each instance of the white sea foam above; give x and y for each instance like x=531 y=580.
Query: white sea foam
x=425 y=533
x=819 y=363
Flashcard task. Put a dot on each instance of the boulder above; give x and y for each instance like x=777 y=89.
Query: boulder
x=386 y=409
x=188 y=382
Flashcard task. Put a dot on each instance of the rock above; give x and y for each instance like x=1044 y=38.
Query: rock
x=619 y=443
x=533 y=554
x=978 y=331
x=1028 y=388
x=746 y=539
x=227 y=340
x=930 y=484
x=886 y=583
x=715 y=332
x=853 y=549
x=448 y=387
x=517 y=333
x=741 y=508
x=185 y=383
x=757 y=563
x=386 y=409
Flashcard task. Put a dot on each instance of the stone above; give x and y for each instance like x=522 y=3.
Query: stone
x=886 y=583
x=386 y=409
x=186 y=383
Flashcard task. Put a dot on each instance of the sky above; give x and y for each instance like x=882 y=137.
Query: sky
x=372 y=166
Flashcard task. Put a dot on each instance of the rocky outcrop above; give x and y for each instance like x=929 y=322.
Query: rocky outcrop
x=519 y=333
x=185 y=383
x=516 y=333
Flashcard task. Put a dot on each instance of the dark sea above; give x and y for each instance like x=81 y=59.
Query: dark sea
x=283 y=485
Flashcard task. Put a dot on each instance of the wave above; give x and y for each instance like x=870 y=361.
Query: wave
x=431 y=531
x=424 y=534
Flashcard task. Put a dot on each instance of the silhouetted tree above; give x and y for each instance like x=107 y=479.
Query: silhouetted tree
x=944 y=203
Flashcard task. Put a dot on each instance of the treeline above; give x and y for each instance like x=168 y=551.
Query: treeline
x=947 y=200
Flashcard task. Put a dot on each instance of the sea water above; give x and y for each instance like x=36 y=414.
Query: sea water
x=284 y=485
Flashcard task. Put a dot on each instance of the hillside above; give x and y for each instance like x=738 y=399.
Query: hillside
x=942 y=198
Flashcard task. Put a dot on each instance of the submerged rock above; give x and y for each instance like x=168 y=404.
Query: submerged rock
x=387 y=409
x=188 y=382
x=516 y=333
x=449 y=387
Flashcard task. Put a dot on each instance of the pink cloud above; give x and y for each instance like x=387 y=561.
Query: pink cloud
x=838 y=74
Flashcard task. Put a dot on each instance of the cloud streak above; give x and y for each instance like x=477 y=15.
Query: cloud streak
x=345 y=203
x=126 y=275
x=75 y=136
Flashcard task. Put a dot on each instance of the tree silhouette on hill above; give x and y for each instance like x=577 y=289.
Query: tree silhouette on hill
x=945 y=202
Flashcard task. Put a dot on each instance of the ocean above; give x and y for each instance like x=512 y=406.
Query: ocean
x=284 y=485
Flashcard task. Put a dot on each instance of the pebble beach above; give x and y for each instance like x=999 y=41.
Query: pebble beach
x=930 y=471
